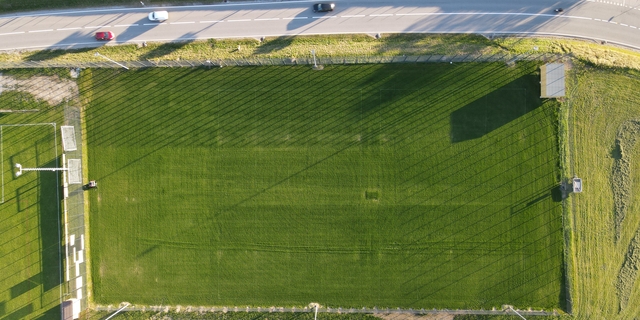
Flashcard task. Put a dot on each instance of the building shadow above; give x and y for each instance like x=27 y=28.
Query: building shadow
x=495 y=109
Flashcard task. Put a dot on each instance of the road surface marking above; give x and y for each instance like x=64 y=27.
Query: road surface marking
x=411 y=14
x=296 y=18
x=381 y=15
x=212 y=21
x=634 y=27
x=239 y=20
x=154 y=24
x=45 y=30
x=62 y=29
x=266 y=19
x=10 y=33
x=190 y=22
x=127 y=25
x=327 y=17
x=354 y=16
x=622 y=24
x=96 y=27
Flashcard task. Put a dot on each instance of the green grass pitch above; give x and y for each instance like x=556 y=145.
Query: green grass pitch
x=414 y=186
x=30 y=271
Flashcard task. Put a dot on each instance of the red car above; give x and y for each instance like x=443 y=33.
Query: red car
x=105 y=35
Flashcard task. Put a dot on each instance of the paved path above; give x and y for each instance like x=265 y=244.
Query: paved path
x=613 y=21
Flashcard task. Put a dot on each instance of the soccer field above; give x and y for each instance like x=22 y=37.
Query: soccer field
x=413 y=186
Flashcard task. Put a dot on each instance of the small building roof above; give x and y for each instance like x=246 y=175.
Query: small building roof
x=552 y=80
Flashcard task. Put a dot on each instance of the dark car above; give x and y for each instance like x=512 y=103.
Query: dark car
x=558 y=10
x=105 y=35
x=324 y=7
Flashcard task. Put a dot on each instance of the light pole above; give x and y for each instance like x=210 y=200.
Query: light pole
x=315 y=65
x=21 y=169
x=97 y=54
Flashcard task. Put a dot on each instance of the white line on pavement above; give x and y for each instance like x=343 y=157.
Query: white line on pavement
x=353 y=16
x=190 y=22
x=328 y=17
x=45 y=30
x=381 y=15
x=62 y=29
x=96 y=27
x=212 y=21
x=266 y=19
x=10 y=33
x=127 y=25
x=296 y=18
x=239 y=20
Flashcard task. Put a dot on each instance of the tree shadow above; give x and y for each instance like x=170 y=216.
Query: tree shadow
x=494 y=110
x=50 y=54
x=273 y=45
x=169 y=47
x=50 y=227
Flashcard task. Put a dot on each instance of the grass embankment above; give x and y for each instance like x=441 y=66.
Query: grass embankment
x=604 y=107
x=429 y=185
x=342 y=46
x=29 y=214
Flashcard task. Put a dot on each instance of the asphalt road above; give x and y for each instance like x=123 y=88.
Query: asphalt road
x=614 y=22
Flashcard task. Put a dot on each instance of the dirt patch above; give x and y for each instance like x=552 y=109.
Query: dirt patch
x=51 y=89
x=409 y=316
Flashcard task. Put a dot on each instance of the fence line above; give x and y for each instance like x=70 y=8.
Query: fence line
x=201 y=309
x=508 y=58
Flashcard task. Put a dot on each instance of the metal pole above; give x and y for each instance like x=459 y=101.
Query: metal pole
x=519 y=315
x=313 y=52
x=97 y=54
x=316 y=316
x=111 y=316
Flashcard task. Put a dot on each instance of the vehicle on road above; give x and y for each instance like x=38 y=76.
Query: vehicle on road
x=105 y=35
x=158 y=16
x=558 y=10
x=324 y=7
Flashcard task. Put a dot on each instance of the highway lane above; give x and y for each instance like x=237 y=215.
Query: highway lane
x=613 y=22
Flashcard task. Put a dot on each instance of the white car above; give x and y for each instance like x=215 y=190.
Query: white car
x=159 y=16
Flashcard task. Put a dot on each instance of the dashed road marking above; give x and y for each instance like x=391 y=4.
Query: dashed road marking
x=189 y=22
x=212 y=21
x=239 y=20
x=381 y=15
x=96 y=27
x=353 y=16
x=295 y=18
x=45 y=30
x=266 y=19
x=127 y=25
x=63 y=29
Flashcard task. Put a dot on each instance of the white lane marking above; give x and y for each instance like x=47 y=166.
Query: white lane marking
x=296 y=18
x=266 y=19
x=45 y=30
x=622 y=24
x=190 y=22
x=154 y=24
x=381 y=15
x=596 y=19
x=212 y=21
x=325 y=17
x=96 y=27
x=412 y=14
x=353 y=16
x=62 y=29
x=239 y=20
x=634 y=27
x=10 y=33
x=613 y=22
x=127 y=25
